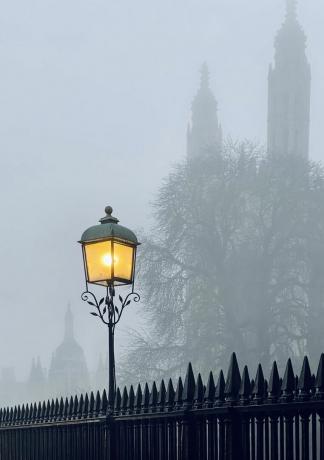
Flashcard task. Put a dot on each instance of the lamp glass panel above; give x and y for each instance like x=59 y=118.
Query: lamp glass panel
x=99 y=261
x=123 y=261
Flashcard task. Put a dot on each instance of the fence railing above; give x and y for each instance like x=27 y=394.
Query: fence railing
x=279 y=419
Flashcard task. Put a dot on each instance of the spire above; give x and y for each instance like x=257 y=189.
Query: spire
x=204 y=76
x=289 y=87
x=68 y=330
x=291 y=9
x=204 y=132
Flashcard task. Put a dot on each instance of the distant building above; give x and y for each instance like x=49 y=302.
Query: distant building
x=289 y=90
x=37 y=382
x=10 y=389
x=204 y=130
x=68 y=373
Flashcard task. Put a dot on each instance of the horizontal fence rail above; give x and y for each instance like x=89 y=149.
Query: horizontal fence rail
x=240 y=418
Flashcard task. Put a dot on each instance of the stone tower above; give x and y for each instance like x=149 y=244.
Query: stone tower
x=204 y=131
x=289 y=90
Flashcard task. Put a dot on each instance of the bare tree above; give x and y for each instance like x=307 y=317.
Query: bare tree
x=231 y=262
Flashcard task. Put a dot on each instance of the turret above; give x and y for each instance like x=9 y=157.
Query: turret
x=289 y=90
x=204 y=131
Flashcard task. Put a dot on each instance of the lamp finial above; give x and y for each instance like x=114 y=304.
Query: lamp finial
x=108 y=217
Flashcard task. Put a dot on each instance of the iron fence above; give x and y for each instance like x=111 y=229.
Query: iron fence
x=279 y=419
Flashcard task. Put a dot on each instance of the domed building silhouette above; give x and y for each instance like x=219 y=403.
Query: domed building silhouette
x=68 y=373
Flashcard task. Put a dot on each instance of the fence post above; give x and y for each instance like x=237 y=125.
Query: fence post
x=187 y=447
x=233 y=435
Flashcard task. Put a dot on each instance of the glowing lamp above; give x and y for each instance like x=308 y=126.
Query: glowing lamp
x=109 y=252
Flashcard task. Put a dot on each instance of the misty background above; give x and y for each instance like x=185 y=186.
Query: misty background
x=95 y=99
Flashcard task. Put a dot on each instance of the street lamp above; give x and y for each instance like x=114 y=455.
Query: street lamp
x=109 y=256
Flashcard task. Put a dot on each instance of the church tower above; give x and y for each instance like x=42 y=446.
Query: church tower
x=289 y=90
x=204 y=131
x=68 y=373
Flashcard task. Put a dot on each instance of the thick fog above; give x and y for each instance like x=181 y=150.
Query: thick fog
x=95 y=97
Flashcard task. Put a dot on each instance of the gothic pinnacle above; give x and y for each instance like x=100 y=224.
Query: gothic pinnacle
x=204 y=80
x=291 y=6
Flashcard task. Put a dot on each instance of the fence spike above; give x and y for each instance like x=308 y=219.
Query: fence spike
x=233 y=381
x=199 y=392
x=35 y=412
x=43 y=413
x=138 y=398
x=61 y=408
x=104 y=402
x=31 y=413
x=131 y=399
x=15 y=414
x=305 y=381
x=189 y=387
x=169 y=399
x=51 y=411
x=161 y=396
x=8 y=415
x=288 y=383
x=146 y=398
x=153 y=397
x=66 y=409
x=22 y=414
x=97 y=404
x=258 y=389
x=245 y=388
x=1 y=415
x=85 y=407
x=313 y=389
x=296 y=384
x=210 y=390
x=178 y=394
x=47 y=410
x=75 y=406
x=80 y=406
x=124 y=400
x=38 y=412
x=19 y=417
x=319 y=381
x=274 y=383
x=26 y=413
x=11 y=415
x=91 y=404
x=70 y=412
x=118 y=401
x=220 y=389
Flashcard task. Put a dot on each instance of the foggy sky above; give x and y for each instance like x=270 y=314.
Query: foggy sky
x=94 y=101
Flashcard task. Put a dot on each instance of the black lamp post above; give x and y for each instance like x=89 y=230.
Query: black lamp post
x=109 y=256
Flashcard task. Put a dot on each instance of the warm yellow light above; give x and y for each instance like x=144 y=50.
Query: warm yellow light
x=123 y=261
x=99 y=262
x=103 y=267
x=107 y=260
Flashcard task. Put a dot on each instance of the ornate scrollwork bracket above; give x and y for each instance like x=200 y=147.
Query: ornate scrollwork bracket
x=105 y=308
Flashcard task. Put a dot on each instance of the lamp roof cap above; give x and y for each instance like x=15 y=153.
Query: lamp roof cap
x=109 y=228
